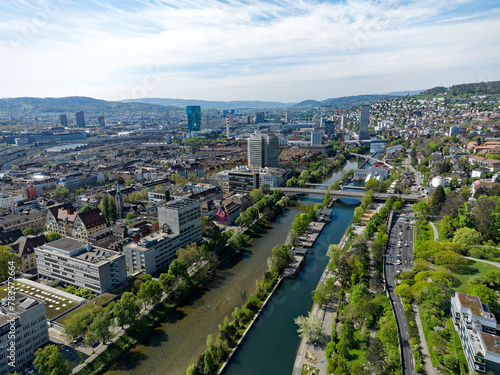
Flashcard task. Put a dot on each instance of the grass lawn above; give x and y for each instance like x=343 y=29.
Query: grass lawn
x=54 y=304
x=442 y=237
x=456 y=346
x=99 y=300
x=474 y=268
x=358 y=354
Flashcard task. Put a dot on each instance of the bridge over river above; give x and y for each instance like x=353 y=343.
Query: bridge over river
x=345 y=194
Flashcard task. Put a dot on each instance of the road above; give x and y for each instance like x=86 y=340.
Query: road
x=344 y=193
x=399 y=257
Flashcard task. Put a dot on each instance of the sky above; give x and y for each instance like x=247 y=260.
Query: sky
x=281 y=50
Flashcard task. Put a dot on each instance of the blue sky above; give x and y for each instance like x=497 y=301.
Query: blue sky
x=283 y=50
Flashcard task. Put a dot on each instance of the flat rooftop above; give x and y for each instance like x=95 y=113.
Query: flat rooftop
x=20 y=304
x=81 y=250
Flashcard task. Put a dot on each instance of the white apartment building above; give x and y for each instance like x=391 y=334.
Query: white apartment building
x=23 y=322
x=81 y=264
x=477 y=328
x=180 y=224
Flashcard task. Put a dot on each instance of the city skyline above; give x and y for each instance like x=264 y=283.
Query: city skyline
x=248 y=50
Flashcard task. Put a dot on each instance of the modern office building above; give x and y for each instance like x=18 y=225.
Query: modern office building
x=64 y=120
x=229 y=123
x=243 y=181
x=23 y=329
x=478 y=331
x=263 y=150
x=80 y=264
x=180 y=225
x=102 y=122
x=80 y=119
x=363 y=124
x=260 y=117
x=194 y=117
x=316 y=138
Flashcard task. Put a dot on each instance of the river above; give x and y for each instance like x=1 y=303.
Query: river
x=179 y=341
x=272 y=343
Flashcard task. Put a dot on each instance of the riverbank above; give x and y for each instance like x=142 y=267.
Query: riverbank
x=181 y=337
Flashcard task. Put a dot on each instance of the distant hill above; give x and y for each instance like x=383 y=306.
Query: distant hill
x=404 y=93
x=207 y=104
x=479 y=88
x=343 y=101
x=73 y=104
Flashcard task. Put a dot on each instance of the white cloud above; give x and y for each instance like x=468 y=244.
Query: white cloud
x=286 y=50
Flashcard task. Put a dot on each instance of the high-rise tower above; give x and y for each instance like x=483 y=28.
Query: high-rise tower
x=119 y=201
x=193 y=117
x=80 y=119
x=363 y=124
x=263 y=150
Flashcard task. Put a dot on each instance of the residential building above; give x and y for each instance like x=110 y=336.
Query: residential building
x=363 y=124
x=454 y=130
x=180 y=224
x=34 y=219
x=64 y=120
x=7 y=199
x=102 y=122
x=80 y=119
x=24 y=248
x=193 y=117
x=80 y=264
x=23 y=329
x=68 y=222
x=478 y=331
x=78 y=180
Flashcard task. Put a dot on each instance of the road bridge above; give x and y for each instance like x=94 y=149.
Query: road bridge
x=371 y=158
x=345 y=194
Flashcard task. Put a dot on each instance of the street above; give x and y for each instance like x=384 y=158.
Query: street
x=398 y=258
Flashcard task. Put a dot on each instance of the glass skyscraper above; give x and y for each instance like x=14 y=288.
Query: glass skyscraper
x=194 y=117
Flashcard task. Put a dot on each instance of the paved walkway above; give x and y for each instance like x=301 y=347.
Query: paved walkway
x=429 y=368
x=496 y=264
x=308 y=353
x=436 y=233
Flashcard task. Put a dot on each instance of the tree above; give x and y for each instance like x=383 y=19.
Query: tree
x=256 y=195
x=130 y=216
x=167 y=195
x=61 y=192
x=127 y=309
x=50 y=361
x=178 y=268
x=310 y=327
x=104 y=206
x=292 y=182
x=78 y=323
x=375 y=355
x=190 y=254
x=210 y=365
x=113 y=211
x=29 y=232
x=338 y=365
x=100 y=327
x=487 y=295
x=150 y=292
x=447 y=227
x=86 y=207
x=467 y=237
x=450 y=259
x=9 y=262
x=53 y=236
x=167 y=282
x=437 y=199
x=421 y=210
